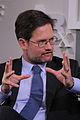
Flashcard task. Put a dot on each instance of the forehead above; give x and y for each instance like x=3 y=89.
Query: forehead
x=42 y=32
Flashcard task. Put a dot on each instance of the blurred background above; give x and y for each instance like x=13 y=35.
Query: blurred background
x=62 y=11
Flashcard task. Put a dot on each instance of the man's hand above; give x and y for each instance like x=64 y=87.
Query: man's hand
x=64 y=74
x=10 y=79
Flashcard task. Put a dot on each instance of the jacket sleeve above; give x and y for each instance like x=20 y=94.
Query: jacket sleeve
x=2 y=67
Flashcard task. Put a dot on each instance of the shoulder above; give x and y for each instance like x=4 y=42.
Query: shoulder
x=17 y=61
x=14 y=61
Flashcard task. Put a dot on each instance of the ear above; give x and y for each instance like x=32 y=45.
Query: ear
x=23 y=43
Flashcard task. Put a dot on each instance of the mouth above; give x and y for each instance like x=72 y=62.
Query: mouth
x=47 y=53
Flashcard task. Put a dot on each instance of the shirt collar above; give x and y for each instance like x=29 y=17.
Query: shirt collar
x=28 y=65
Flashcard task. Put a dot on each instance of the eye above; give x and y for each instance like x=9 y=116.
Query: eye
x=52 y=39
x=42 y=41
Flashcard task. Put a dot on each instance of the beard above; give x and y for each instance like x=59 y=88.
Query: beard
x=37 y=60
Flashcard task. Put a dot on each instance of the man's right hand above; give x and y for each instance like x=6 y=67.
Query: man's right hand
x=10 y=79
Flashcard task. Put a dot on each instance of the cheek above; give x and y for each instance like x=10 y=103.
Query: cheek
x=34 y=51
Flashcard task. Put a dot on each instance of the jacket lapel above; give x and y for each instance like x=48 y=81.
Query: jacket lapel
x=17 y=66
x=51 y=87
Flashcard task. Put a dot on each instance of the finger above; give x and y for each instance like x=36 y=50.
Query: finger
x=10 y=73
x=10 y=64
x=51 y=71
x=6 y=67
x=12 y=84
x=23 y=76
x=64 y=74
x=65 y=62
x=65 y=58
x=68 y=61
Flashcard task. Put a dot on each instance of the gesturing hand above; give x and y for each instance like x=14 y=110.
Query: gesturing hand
x=10 y=79
x=64 y=74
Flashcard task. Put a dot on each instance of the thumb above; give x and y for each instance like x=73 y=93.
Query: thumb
x=24 y=76
x=54 y=72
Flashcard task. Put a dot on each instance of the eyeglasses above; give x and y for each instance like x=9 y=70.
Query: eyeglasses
x=42 y=43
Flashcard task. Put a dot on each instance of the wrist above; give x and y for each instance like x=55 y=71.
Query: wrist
x=5 y=89
x=71 y=86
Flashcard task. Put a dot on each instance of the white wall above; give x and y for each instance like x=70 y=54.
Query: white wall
x=8 y=43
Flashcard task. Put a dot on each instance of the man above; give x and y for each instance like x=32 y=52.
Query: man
x=34 y=31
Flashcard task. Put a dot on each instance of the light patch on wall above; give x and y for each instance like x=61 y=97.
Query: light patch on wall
x=2 y=10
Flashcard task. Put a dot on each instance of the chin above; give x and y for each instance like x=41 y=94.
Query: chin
x=47 y=59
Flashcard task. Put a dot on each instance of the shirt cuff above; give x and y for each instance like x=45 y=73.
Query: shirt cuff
x=76 y=87
x=3 y=96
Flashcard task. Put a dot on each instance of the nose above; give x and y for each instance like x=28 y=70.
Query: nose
x=49 y=46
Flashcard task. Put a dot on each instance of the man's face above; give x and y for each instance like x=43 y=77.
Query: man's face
x=36 y=54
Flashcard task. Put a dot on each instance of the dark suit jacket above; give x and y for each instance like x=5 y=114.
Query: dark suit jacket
x=60 y=103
